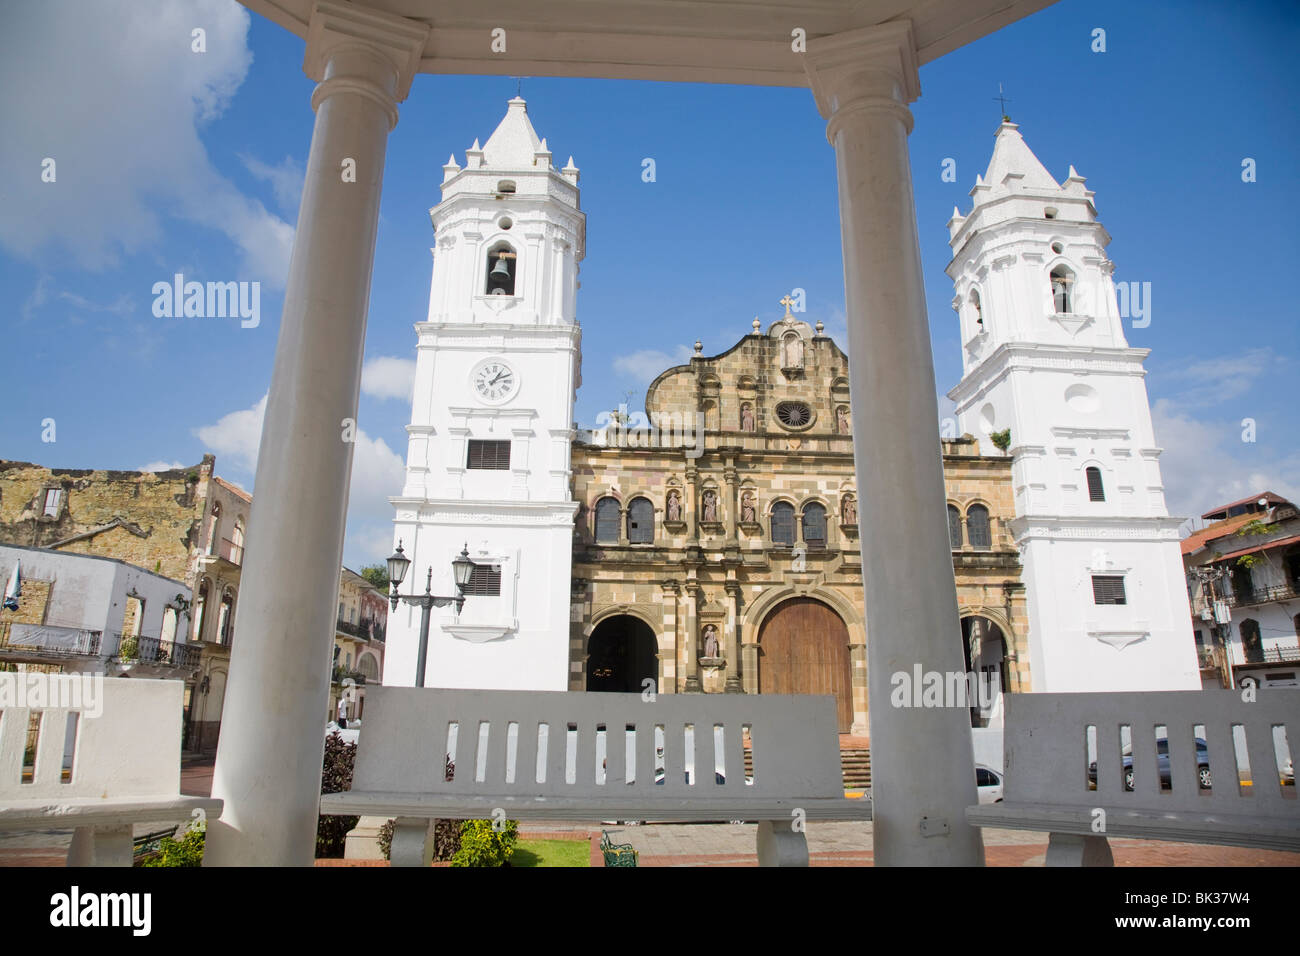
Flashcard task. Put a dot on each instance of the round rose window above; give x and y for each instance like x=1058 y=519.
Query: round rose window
x=793 y=414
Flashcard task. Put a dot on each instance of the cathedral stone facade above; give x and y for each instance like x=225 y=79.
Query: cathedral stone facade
x=716 y=544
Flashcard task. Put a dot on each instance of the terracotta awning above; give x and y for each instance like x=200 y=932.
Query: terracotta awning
x=1259 y=547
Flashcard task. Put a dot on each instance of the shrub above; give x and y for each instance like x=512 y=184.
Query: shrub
x=335 y=777
x=481 y=844
x=187 y=851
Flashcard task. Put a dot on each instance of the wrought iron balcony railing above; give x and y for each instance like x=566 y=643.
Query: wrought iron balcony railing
x=1247 y=597
x=131 y=648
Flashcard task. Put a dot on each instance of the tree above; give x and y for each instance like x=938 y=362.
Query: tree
x=376 y=574
x=1002 y=439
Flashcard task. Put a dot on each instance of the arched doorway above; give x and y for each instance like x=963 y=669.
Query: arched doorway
x=985 y=649
x=803 y=648
x=621 y=654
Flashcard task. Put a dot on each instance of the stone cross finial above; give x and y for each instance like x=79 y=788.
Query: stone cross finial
x=787 y=302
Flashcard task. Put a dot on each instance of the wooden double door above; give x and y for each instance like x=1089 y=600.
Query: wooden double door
x=803 y=648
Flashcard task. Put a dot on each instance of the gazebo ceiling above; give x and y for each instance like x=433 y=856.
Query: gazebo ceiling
x=702 y=41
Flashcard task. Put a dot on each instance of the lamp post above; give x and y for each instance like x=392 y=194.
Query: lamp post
x=462 y=567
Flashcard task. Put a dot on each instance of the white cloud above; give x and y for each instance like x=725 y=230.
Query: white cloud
x=1220 y=379
x=236 y=435
x=388 y=377
x=646 y=364
x=286 y=179
x=161 y=466
x=377 y=473
x=112 y=92
x=1206 y=464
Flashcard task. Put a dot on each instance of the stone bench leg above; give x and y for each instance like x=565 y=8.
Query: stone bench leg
x=412 y=842
x=779 y=845
x=1073 y=849
x=101 y=846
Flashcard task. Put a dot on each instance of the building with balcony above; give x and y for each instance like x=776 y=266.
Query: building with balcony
x=88 y=614
x=359 y=640
x=1243 y=579
x=184 y=524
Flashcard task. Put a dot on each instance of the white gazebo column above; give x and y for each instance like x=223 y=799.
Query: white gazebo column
x=273 y=728
x=922 y=762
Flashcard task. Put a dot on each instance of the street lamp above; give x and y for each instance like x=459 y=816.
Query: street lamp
x=462 y=567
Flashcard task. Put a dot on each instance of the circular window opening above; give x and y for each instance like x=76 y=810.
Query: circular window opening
x=1058 y=248
x=793 y=414
x=505 y=222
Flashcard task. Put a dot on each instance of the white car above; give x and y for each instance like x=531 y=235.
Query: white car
x=988 y=783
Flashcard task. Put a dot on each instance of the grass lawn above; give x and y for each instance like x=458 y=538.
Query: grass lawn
x=551 y=853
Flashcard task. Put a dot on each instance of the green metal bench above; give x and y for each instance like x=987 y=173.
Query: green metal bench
x=617 y=854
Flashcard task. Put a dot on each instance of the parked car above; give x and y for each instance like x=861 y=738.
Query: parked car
x=988 y=784
x=1204 y=778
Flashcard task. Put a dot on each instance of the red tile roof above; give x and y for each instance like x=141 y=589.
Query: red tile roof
x=1220 y=529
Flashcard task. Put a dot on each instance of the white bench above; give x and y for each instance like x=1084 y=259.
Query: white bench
x=117 y=764
x=1047 y=785
x=501 y=742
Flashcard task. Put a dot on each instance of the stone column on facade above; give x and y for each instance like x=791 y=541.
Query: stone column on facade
x=749 y=666
x=672 y=627
x=734 y=636
x=690 y=503
x=862 y=81
x=272 y=740
x=730 y=476
x=692 y=685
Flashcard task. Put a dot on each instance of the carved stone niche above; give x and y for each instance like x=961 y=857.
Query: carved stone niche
x=674 y=508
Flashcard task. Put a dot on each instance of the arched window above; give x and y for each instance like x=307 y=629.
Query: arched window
x=500 y=270
x=200 y=603
x=954 y=527
x=226 y=622
x=368 y=667
x=783 y=524
x=214 y=528
x=237 y=542
x=607 y=510
x=814 y=526
x=1062 y=297
x=977 y=527
x=1251 y=644
x=640 y=521
x=1096 y=491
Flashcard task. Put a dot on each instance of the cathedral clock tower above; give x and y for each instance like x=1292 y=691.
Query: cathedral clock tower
x=488 y=459
x=1047 y=369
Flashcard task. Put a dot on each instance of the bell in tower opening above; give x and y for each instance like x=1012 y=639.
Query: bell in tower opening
x=501 y=277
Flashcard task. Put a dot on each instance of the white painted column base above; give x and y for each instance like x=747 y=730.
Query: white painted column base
x=101 y=846
x=778 y=845
x=1073 y=849
x=362 y=842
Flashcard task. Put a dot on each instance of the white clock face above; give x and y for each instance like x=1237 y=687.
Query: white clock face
x=495 y=381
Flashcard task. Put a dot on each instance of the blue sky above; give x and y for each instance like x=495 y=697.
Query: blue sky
x=170 y=161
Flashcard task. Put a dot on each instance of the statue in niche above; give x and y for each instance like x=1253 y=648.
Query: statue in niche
x=747 y=417
x=710 y=640
x=747 y=510
x=842 y=420
x=673 y=511
x=849 y=510
x=793 y=348
x=710 y=506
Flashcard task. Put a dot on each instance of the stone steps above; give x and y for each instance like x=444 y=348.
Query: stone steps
x=855 y=764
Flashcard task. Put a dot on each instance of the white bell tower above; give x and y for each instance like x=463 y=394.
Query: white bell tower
x=488 y=463
x=1044 y=356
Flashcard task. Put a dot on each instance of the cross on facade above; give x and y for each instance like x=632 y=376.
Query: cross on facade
x=787 y=302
